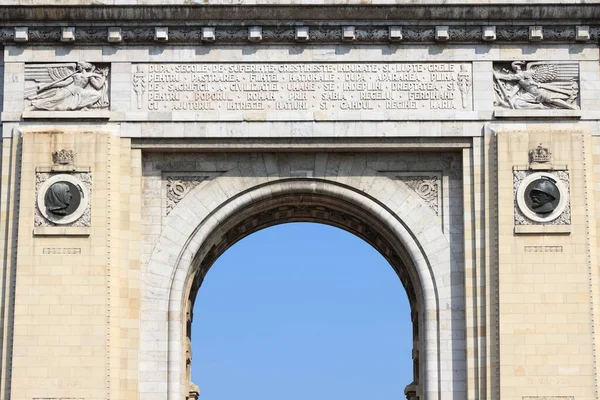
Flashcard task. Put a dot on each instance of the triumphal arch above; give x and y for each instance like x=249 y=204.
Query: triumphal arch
x=142 y=138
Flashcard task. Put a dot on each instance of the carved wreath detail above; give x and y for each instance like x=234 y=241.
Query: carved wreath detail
x=178 y=187
x=427 y=187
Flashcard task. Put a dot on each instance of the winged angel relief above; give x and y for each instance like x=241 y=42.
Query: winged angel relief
x=66 y=86
x=541 y=85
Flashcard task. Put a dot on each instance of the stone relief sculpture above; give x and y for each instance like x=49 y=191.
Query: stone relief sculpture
x=540 y=155
x=178 y=187
x=541 y=85
x=63 y=157
x=58 y=198
x=427 y=187
x=63 y=199
x=464 y=84
x=66 y=86
x=139 y=85
x=541 y=198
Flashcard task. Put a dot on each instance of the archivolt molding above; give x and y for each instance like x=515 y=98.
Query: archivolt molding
x=307 y=207
x=204 y=211
x=261 y=190
x=201 y=249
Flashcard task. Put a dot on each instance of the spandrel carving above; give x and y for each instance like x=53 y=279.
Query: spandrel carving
x=179 y=186
x=536 y=85
x=66 y=86
x=427 y=187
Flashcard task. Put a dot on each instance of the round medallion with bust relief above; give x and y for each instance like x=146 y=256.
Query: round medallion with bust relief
x=62 y=199
x=542 y=197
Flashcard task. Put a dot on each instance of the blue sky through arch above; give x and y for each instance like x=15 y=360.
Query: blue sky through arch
x=301 y=311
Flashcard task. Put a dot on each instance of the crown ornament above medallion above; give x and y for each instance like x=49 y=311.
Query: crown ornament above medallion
x=539 y=155
x=63 y=157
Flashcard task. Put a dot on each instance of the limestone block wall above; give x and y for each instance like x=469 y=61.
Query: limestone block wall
x=76 y=289
x=1 y=80
x=547 y=275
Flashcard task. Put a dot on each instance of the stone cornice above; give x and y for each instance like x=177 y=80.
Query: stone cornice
x=277 y=14
x=231 y=34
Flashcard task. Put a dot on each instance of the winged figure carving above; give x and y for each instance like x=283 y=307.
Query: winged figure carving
x=66 y=86
x=541 y=85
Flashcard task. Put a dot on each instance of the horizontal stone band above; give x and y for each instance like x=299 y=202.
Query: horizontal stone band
x=582 y=13
x=287 y=34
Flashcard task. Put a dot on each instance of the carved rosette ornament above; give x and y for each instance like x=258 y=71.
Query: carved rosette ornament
x=541 y=198
x=179 y=186
x=66 y=86
x=63 y=199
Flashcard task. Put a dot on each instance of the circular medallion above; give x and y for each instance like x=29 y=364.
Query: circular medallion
x=62 y=199
x=541 y=197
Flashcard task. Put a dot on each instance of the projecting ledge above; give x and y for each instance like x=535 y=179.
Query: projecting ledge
x=537 y=113
x=543 y=229
x=61 y=231
x=95 y=114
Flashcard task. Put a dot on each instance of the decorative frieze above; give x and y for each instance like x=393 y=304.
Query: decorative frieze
x=288 y=34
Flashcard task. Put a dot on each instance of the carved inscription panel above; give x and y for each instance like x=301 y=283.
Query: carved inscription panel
x=301 y=90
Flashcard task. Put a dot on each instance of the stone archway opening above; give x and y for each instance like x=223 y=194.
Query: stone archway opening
x=308 y=207
x=300 y=310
